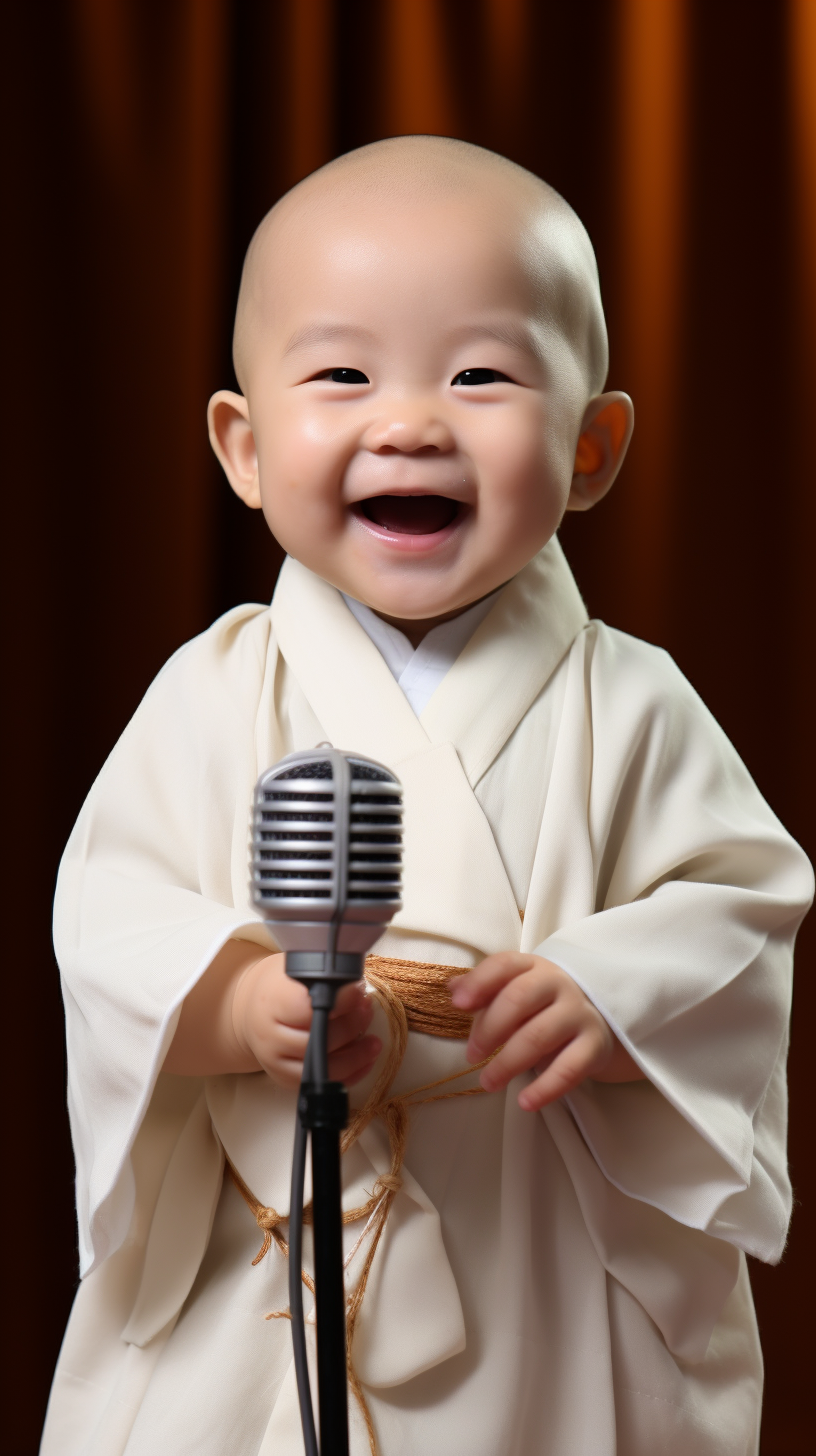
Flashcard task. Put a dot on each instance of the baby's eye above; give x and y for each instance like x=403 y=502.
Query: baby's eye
x=344 y=376
x=481 y=376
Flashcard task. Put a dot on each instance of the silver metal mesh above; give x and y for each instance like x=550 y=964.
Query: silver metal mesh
x=303 y=867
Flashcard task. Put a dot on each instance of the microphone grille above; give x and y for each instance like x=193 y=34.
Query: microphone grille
x=327 y=839
x=375 y=836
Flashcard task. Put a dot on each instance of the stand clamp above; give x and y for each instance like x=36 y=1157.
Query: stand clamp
x=323 y=1107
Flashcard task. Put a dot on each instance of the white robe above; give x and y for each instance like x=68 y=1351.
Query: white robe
x=570 y=1283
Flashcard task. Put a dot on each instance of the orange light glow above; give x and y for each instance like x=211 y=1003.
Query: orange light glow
x=311 y=78
x=802 y=39
x=652 y=110
x=418 y=92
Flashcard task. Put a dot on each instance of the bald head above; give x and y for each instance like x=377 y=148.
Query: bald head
x=433 y=174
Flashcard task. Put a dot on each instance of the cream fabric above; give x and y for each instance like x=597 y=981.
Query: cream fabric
x=570 y=1282
x=420 y=670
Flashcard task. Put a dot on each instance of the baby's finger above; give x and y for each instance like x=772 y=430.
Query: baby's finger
x=290 y=1002
x=354 y=1061
x=295 y=1009
x=351 y=1026
x=567 y=1070
x=277 y=1042
x=517 y=1002
x=477 y=987
x=348 y=997
x=284 y=1072
x=541 y=1036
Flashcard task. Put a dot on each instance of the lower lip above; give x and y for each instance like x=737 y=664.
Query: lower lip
x=411 y=545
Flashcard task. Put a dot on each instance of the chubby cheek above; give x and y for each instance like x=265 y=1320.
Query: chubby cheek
x=525 y=479
x=301 y=483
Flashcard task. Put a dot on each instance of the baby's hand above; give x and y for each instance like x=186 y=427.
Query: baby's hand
x=271 y=1016
x=542 y=1021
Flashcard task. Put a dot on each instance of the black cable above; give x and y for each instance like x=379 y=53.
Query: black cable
x=295 y=1265
x=296 y=1291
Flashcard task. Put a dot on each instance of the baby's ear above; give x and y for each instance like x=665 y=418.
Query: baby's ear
x=606 y=430
x=234 y=443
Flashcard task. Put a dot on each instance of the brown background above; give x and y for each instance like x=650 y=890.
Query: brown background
x=144 y=140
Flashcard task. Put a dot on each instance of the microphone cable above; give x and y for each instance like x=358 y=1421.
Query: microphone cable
x=319 y=1031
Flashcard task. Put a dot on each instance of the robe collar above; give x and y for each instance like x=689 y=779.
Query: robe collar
x=455 y=885
x=482 y=699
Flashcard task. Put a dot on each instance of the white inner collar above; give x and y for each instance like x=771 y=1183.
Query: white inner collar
x=420 y=670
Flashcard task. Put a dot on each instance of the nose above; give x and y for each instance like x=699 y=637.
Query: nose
x=408 y=427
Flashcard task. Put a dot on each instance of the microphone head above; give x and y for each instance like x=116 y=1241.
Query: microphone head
x=326 y=853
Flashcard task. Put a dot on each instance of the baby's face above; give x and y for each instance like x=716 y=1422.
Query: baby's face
x=414 y=411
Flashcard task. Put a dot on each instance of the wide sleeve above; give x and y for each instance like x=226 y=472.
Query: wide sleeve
x=151 y=886
x=698 y=893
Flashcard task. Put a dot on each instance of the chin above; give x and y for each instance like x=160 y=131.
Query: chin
x=409 y=611
x=407 y=589
x=397 y=589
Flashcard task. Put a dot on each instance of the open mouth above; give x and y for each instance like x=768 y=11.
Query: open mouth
x=411 y=515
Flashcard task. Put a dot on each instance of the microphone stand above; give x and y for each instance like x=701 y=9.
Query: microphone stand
x=325 y=861
x=322 y=1116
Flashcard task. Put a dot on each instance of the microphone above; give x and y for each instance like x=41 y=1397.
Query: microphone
x=326 y=865
x=326 y=874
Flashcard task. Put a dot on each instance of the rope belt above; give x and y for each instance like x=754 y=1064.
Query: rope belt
x=415 y=996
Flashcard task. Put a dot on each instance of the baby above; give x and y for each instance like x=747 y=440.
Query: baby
x=422 y=352
x=418 y=477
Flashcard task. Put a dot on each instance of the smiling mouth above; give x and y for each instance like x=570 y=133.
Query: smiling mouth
x=410 y=515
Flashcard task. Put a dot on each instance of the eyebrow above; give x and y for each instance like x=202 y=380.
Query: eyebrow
x=518 y=336
x=326 y=333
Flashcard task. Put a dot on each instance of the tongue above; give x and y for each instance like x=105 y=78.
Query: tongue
x=411 y=515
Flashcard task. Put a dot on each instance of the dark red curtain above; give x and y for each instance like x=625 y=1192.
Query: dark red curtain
x=143 y=141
